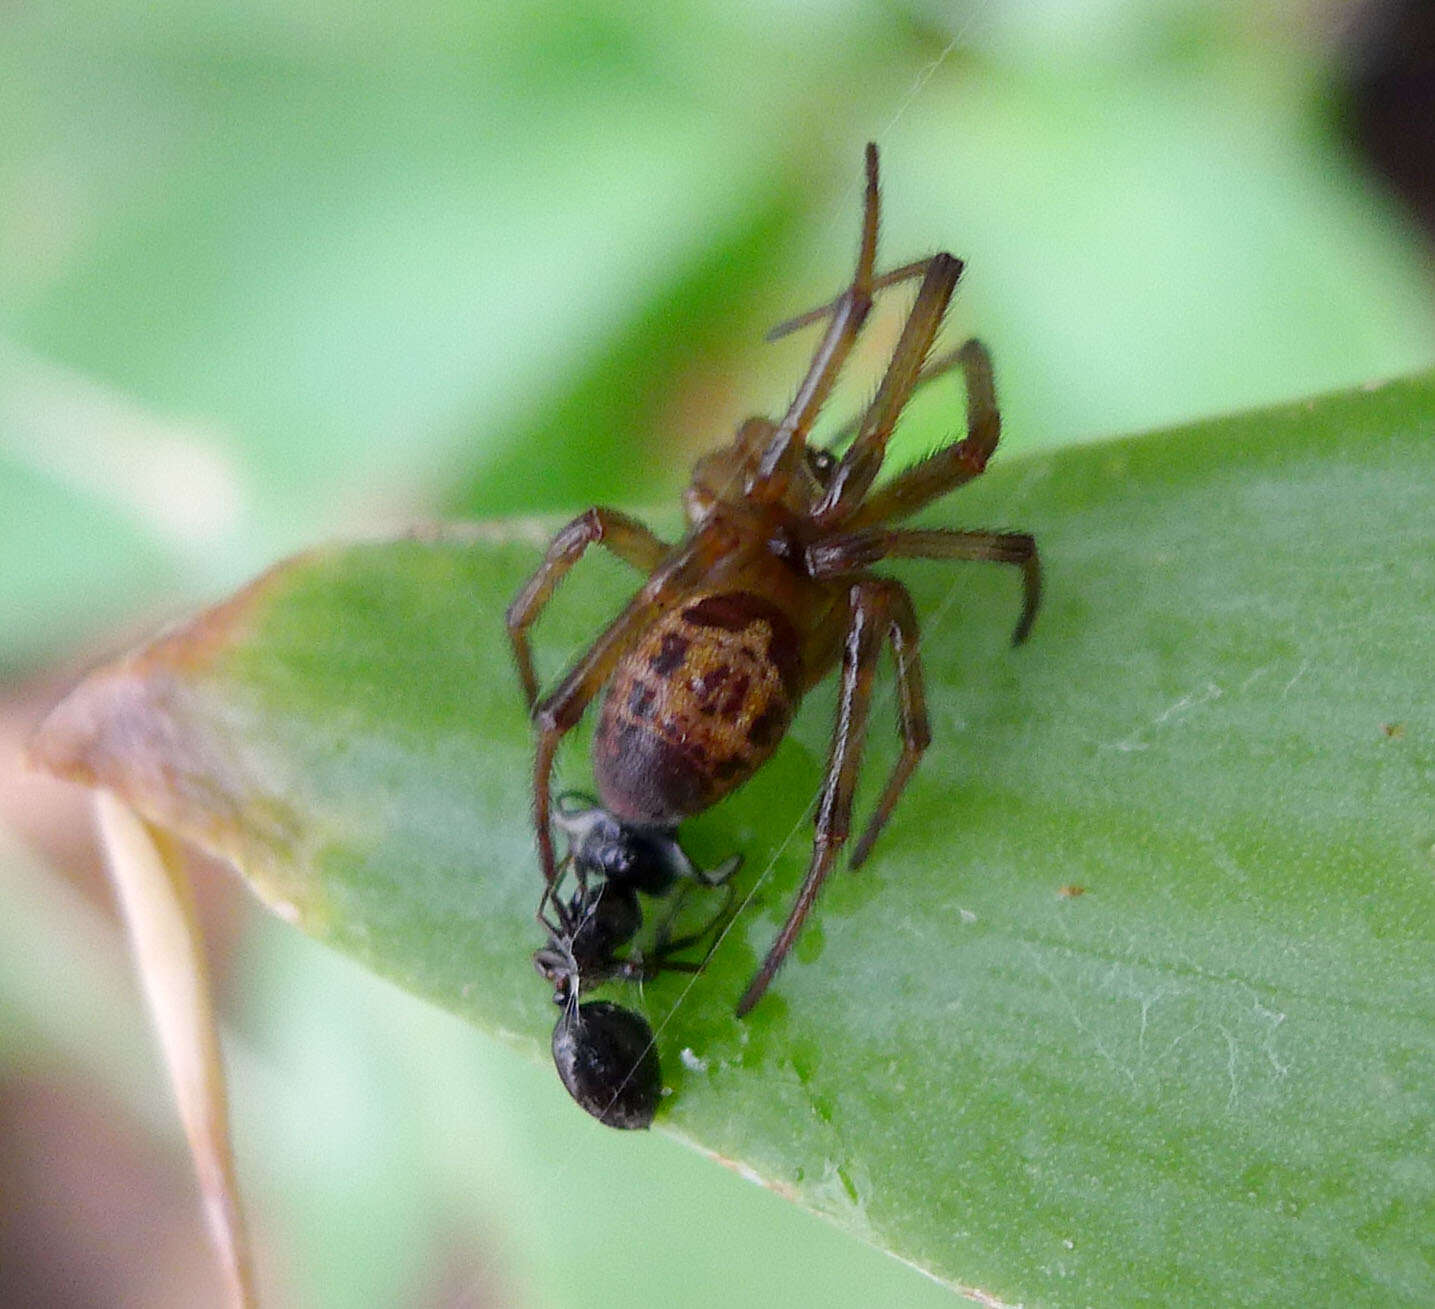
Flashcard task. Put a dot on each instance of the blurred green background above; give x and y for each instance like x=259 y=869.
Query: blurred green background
x=274 y=273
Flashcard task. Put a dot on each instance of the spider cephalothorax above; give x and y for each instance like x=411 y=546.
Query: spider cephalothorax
x=768 y=590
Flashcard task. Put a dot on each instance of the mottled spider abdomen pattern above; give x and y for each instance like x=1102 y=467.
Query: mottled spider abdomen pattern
x=696 y=707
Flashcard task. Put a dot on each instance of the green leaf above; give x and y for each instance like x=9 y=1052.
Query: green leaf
x=1204 y=1079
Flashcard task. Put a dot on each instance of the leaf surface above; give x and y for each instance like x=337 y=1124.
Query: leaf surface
x=1135 y=1000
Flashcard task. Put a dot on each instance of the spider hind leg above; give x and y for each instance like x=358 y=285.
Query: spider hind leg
x=878 y=609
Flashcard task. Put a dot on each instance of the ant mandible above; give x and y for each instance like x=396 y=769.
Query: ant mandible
x=770 y=587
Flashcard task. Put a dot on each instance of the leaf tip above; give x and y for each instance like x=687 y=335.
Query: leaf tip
x=65 y=741
x=114 y=727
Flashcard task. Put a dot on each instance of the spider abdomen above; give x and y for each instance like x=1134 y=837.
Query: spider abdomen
x=696 y=707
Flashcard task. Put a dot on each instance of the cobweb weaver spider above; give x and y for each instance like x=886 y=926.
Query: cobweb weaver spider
x=706 y=664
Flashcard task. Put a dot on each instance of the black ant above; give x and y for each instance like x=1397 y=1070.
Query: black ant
x=605 y=1055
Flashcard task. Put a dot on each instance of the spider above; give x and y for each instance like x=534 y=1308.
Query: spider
x=768 y=590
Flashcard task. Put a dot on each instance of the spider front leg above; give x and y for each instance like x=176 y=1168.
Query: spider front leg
x=892 y=277
x=858 y=467
x=952 y=466
x=849 y=311
x=879 y=609
x=559 y=712
x=626 y=537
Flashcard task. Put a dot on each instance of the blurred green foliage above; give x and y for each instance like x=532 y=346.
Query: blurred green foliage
x=271 y=273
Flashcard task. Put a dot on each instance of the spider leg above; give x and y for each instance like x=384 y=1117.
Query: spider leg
x=625 y=537
x=853 y=551
x=782 y=455
x=558 y=712
x=912 y=721
x=858 y=467
x=939 y=367
x=879 y=283
x=870 y=607
x=952 y=466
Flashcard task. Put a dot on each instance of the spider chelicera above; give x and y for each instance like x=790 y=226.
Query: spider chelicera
x=768 y=590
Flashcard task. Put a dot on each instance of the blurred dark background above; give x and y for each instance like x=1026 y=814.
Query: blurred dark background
x=273 y=273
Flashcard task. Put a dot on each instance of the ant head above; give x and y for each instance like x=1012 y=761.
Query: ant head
x=556 y=965
x=645 y=858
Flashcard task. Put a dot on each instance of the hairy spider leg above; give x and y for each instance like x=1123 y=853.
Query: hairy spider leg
x=858 y=467
x=783 y=455
x=939 y=367
x=626 y=537
x=852 y=551
x=913 y=726
x=874 y=606
x=953 y=465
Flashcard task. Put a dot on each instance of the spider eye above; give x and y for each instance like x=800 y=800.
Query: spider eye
x=698 y=503
x=820 y=463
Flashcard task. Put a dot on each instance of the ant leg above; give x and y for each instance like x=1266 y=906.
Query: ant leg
x=782 y=455
x=852 y=551
x=858 y=467
x=665 y=945
x=681 y=866
x=559 y=712
x=720 y=875
x=638 y=968
x=662 y=942
x=869 y=606
x=566 y=925
x=625 y=537
x=952 y=466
